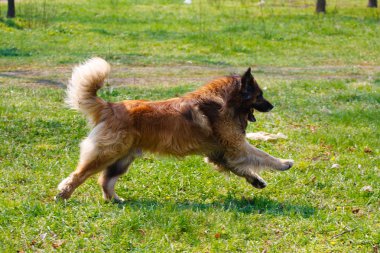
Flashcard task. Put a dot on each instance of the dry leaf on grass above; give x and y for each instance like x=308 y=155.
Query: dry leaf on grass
x=367 y=188
x=263 y=136
x=58 y=243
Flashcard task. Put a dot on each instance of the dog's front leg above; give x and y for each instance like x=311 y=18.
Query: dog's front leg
x=247 y=161
x=267 y=161
x=219 y=159
x=250 y=175
x=256 y=159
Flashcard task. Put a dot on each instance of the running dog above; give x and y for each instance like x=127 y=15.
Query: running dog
x=209 y=121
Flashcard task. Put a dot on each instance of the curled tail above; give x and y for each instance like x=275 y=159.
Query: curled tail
x=85 y=81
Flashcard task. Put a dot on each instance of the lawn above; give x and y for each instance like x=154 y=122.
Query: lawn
x=217 y=32
x=321 y=72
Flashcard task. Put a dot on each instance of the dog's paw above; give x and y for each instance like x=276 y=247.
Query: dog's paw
x=257 y=182
x=113 y=198
x=118 y=200
x=286 y=164
x=60 y=197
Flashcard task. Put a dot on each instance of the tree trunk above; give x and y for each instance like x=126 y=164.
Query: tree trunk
x=321 y=6
x=372 y=3
x=11 y=9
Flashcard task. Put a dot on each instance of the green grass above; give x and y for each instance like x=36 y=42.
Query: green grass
x=321 y=72
x=184 y=205
x=280 y=33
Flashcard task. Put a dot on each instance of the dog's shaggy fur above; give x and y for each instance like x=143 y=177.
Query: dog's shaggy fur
x=210 y=121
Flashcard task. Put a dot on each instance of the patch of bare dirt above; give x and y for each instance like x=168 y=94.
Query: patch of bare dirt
x=176 y=75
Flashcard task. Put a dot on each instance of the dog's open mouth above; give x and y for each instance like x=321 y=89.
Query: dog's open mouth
x=251 y=117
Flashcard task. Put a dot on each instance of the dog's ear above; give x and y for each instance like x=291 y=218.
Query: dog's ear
x=246 y=84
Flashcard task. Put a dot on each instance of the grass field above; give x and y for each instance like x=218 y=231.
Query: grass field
x=321 y=72
x=282 y=33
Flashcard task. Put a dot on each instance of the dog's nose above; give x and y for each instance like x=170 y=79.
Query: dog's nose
x=270 y=107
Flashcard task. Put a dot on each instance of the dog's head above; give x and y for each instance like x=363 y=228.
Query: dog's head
x=252 y=96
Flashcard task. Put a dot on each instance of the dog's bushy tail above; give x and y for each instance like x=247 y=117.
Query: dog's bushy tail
x=86 y=80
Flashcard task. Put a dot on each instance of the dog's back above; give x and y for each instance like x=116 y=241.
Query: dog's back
x=176 y=126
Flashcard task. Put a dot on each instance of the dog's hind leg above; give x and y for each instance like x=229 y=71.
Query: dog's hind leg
x=109 y=176
x=91 y=162
x=84 y=170
x=94 y=157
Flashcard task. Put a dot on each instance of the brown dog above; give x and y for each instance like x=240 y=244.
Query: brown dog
x=210 y=121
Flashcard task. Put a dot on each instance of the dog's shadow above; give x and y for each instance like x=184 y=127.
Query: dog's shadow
x=259 y=205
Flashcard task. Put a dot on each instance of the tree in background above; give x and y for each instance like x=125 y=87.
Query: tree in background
x=11 y=9
x=372 y=3
x=321 y=6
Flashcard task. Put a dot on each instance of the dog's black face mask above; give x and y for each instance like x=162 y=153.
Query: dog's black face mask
x=253 y=96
